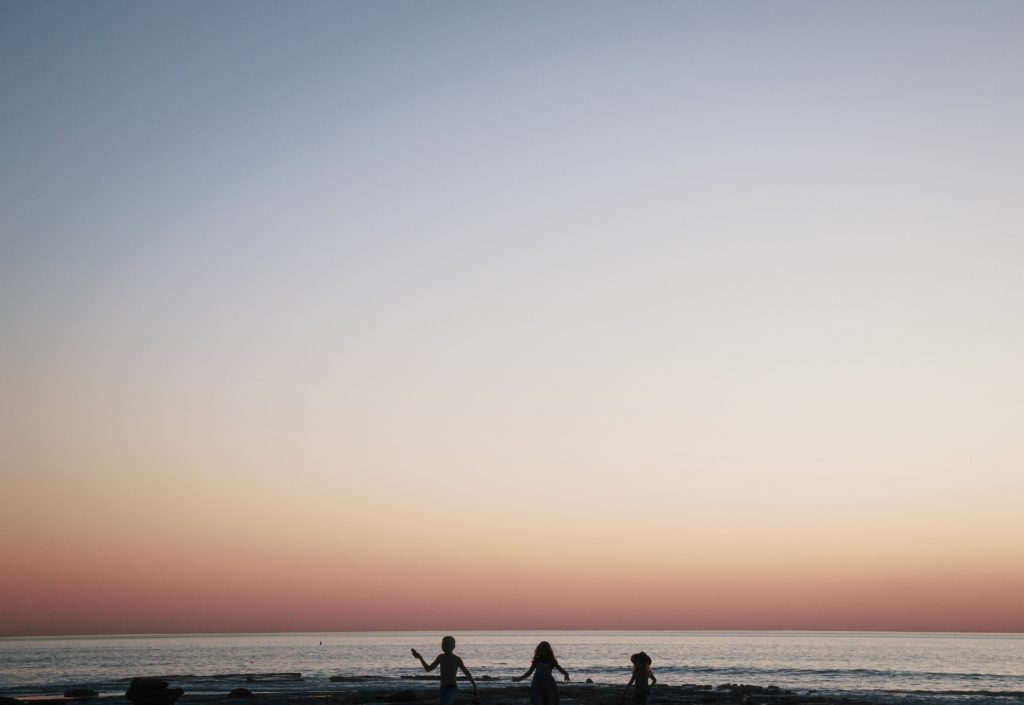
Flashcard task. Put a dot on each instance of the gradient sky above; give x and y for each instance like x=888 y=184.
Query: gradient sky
x=409 y=315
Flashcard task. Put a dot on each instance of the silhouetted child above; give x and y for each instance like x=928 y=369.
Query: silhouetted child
x=641 y=674
x=542 y=688
x=450 y=665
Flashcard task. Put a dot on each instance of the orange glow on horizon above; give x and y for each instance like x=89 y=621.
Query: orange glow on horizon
x=302 y=561
x=310 y=589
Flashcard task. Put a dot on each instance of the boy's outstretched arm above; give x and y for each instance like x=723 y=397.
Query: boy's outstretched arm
x=431 y=667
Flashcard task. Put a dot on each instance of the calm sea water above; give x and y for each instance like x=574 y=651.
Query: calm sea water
x=946 y=667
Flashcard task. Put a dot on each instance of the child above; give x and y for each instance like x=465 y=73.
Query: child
x=542 y=688
x=450 y=665
x=641 y=673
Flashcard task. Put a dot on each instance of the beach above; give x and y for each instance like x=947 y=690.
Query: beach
x=489 y=694
x=272 y=689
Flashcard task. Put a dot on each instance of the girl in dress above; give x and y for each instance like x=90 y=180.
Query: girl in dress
x=542 y=688
x=641 y=675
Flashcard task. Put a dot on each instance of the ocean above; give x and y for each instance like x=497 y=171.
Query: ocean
x=881 y=666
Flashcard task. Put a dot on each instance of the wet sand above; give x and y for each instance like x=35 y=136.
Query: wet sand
x=489 y=694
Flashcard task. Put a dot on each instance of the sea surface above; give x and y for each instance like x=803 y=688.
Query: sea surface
x=886 y=667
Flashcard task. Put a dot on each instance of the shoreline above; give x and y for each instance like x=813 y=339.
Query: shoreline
x=421 y=691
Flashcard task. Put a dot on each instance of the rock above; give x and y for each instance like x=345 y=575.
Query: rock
x=590 y=680
x=152 y=691
x=81 y=693
x=241 y=693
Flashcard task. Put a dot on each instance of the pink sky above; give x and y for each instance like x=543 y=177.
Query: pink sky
x=85 y=579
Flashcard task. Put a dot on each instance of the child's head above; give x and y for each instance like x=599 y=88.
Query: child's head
x=640 y=659
x=448 y=644
x=544 y=652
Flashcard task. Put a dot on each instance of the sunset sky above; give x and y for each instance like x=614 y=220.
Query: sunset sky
x=444 y=315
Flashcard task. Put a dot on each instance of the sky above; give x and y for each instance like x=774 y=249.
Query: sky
x=360 y=315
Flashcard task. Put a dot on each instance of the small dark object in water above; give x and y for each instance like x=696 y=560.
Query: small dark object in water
x=81 y=693
x=590 y=680
x=241 y=693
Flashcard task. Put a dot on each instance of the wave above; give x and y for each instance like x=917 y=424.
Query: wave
x=987 y=693
x=828 y=673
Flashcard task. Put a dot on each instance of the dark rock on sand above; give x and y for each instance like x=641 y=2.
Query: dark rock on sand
x=152 y=691
x=165 y=677
x=241 y=693
x=81 y=693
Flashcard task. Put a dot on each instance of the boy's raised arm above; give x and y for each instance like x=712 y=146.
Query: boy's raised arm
x=431 y=667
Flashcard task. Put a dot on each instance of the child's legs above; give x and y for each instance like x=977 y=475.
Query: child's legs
x=448 y=694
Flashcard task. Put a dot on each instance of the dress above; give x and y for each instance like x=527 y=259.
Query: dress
x=641 y=690
x=542 y=689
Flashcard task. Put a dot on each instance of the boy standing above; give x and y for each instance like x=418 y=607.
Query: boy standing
x=450 y=665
